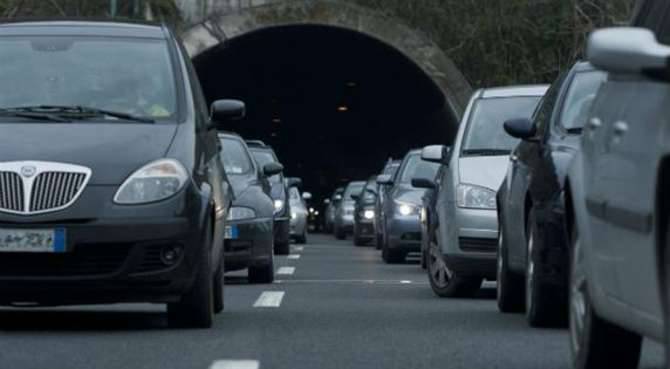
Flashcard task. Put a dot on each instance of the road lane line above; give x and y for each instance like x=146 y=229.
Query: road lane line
x=298 y=248
x=385 y=282
x=270 y=299
x=294 y=256
x=286 y=271
x=235 y=364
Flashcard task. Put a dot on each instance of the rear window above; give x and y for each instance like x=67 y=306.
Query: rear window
x=234 y=157
x=353 y=188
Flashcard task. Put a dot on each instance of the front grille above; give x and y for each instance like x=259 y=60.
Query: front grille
x=86 y=259
x=11 y=191
x=52 y=190
x=411 y=236
x=478 y=244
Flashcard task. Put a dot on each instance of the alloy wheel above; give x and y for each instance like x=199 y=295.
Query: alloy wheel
x=578 y=298
x=439 y=272
x=530 y=270
x=499 y=262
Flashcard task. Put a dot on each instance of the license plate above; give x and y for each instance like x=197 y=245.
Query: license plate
x=32 y=240
x=231 y=232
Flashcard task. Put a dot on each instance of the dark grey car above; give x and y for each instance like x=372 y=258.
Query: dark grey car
x=112 y=186
x=344 y=213
x=249 y=241
x=390 y=170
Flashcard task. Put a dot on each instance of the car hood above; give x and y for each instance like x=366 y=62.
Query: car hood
x=240 y=184
x=112 y=151
x=408 y=194
x=485 y=171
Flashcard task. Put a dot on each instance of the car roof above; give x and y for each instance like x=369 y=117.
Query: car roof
x=357 y=183
x=223 y=134
x=512 y=91
x=83 y=28
x=256 y=143
x=583 y=66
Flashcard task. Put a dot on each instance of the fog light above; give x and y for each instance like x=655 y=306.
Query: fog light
x=170 y=254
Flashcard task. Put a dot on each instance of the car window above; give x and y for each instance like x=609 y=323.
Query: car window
x=294 y=194
x=417 y=168
x=370 y=190
x=580 y=97
x=353 y=188
x=264 y=157
x=234 y=157
x=391 y=169
x=485 y=129
x=132 y=76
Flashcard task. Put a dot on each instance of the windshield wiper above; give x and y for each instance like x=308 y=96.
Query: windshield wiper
x=486 y=152
x=32 y=115
x=77 y=111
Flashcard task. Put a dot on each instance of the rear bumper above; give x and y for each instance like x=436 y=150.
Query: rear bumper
x=252 y=246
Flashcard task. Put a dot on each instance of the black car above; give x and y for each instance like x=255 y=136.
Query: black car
x=390 y=170
x=264 y=154
x=112 y=186
x=249 y=237
x=532 y=237
x=364 y=213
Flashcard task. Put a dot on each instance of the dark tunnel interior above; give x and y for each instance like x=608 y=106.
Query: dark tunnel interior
x=334 y=103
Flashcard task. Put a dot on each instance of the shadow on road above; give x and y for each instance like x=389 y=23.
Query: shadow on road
x=71 y=320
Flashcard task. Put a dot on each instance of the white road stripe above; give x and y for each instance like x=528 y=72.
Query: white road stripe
x=270 y=299
x=298 y=248
x=294 y=256
x=285 y=270
x=235 y=364
x=405 y=282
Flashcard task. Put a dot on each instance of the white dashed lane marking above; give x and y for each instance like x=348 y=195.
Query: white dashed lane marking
x=235 y=364
x=270 y=299
x=298 y=248
x=294 y=256
x=286 y=271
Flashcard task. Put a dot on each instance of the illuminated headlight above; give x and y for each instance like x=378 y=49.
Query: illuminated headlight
x=476 y=197
x=368 y=214
x=405 y=209
x=241 y=213
x=153 y=182
x=279 y=205
x=294 y=215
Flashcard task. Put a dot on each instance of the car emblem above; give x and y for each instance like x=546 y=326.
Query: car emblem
x=28 y=171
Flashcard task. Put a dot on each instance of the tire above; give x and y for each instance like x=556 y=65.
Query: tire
x=262 y=274
x=282 y=248
x=546 y=305
x=196 y=307
x=389 y=255
x=357 y=239
x=302 y=239
x=510 y=286
x=219 y=288
x=340 y=234
x=665 y=290
x=424 y=262
x=594 y=342
x=378 y=240
x=444 y=282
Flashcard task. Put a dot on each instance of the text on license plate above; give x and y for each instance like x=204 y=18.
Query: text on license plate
x=231 y=232
x=32 y=240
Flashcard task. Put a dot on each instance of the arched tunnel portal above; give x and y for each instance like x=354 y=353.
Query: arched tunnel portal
x=336 y=89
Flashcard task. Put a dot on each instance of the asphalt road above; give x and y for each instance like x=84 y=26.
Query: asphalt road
x=340 y=308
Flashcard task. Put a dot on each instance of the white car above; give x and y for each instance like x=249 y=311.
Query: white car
x=618 y=197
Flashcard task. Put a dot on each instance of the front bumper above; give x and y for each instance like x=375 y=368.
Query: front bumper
x=365 y=229
x=252 y=244
x=471 y=250
x=404 y=232
x=113 y=252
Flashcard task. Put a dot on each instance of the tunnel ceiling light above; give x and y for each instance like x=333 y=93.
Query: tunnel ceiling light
x=276 y=120
x=342 y=108
x=352 y=84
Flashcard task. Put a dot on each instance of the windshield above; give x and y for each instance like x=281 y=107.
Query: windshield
x=353 y=188
x=580 y=98
x=264 y=157
x=294 y=194
x=417 y=168
x=235 y=159
x=485 y=131
x=370 y=190
x=132 y=76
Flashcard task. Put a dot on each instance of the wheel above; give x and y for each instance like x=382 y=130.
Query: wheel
x=389 y=255
x=219 y=284
x=424 y=257
x=196 y=307
x=545 y=304
x=665 y=288
x=302 y=239
x=282 y=248
x=594 y=342
x=357 y=239
x=378 y=240
x=444 y=282
x=262 y=274
x=510 y=286
x=340 y=234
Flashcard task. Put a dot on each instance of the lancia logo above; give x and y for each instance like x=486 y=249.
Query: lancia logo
x=28 y=171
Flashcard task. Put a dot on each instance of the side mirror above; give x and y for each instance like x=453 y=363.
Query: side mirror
x=338 y=197
x=271 y=169
x=306 y=196
x=436 y=154
x=423 y=183
x=355 y=196
x=628 y=50
x=522 y=128
x=224 y=111
x=294 y=182
x=384 y=179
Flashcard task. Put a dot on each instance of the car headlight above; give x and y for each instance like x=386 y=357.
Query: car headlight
x=368 y=214
x=405 y=209
x=241 y=213
x=153 y=182
x=279 y=205
x=294 y=215
x=476 y=197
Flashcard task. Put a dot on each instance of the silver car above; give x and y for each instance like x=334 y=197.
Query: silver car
x=618 y=198
x=344 y=213
x=299 y=213
x=466 y=202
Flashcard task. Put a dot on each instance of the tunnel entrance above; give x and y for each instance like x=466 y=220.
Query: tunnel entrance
x=333 y=102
